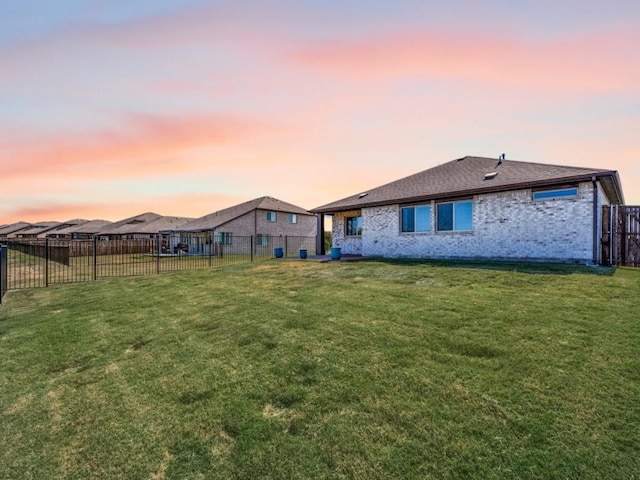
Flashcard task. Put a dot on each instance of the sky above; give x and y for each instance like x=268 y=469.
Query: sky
x=111 y=108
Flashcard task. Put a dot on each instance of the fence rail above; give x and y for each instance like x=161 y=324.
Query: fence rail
x=621 y=235
x=40 y=263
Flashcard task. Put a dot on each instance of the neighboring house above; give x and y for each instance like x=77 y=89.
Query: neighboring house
x=480 y=208
x=143 y=226
x=82 y=231
x=262 y=218
x=36 y=230
x=13 y=229
x=56 y=232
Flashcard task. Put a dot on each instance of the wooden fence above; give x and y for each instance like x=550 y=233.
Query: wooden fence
x=621 y=235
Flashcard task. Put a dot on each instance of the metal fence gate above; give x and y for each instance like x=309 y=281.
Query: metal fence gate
x=621 y=235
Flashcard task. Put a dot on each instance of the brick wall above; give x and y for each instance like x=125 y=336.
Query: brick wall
x=507 y=225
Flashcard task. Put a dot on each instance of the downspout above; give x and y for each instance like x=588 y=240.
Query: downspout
x=595 y=220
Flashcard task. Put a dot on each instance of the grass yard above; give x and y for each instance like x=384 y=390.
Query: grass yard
x=299 y=370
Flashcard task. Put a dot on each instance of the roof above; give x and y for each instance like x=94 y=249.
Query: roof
x=146 y=223
x=219 y=218
x=116 y=228
x=39 y=227
x=466 y=176
x=88 y=227
x=14 y=227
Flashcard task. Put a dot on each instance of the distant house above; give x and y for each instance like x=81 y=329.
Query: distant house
x=480 y=208
x=13 y=228
x=81 y=231
x=146 y=225
x=55 y=232
x=262 y=218
x=34 y=231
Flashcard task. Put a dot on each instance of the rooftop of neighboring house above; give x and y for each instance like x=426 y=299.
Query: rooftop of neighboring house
x=88 y=227
x=145 y=223
x=37 y=228
x=220 y=217
x=475 y=175
x=14 y=227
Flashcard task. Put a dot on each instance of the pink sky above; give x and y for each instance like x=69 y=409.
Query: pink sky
x=109 y=109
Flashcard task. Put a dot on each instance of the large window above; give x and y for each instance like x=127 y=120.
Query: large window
x=262 y=240
x=553 y=194
x=455 y=216
x=293 y=218
x=416 y=219
x=224 y=238
x=271 y=216
x=354 y=226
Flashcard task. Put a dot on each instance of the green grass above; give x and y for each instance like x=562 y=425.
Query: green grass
x=297 y=370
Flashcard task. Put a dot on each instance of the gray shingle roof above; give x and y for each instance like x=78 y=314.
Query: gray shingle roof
x=146 y=223
x=466 y=176
x=14 y=227
x=219 y=218
x=88 y=227
x=39 y=227
x=119 y=227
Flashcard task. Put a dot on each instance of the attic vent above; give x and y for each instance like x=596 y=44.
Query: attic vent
x=362 y=195
x=490 y=175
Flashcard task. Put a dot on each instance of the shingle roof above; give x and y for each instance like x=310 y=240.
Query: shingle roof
x=466 y=176
x=146 y=223
x=14 y=227
x=39 y=227
x=116 y=228
x=219 y=218
x=88 y=227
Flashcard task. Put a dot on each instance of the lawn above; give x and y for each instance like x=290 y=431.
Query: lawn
x=288 y=369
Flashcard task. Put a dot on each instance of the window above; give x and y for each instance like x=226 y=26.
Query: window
x=416 y=219
x=293 y=218
x=354 y=226
x=553 y=194
x=224 y=238
x=271 y=216
x=455 y=216
x=262 y=240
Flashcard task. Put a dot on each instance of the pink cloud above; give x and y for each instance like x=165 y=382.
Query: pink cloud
x=568 y=64
x=144 y=142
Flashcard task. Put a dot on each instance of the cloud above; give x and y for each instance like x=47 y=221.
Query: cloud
x=589 y=63
x=142 y=145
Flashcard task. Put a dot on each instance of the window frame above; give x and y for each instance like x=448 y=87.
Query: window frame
x=415 y=208
x=224 y=238
x=454 y=204
x=348 y=227
x=262 y=240
x=293 y=218
x=555 y=194
x=271 y=213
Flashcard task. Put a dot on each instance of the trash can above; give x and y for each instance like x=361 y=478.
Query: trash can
x=303 y=253
x=278 y=252
x=336 y=253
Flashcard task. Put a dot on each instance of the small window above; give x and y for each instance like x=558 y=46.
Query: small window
x=416 y=219
x=271 y=216
x=224 y=238
x=353 y=226
x=553 y=194
x=455 y=216
x=262 y=240
x=293 y=218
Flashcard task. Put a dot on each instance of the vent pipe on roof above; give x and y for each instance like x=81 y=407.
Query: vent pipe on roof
x=500 y=159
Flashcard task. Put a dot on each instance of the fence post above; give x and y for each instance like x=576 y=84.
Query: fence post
x=158 y=252
x=251 y=250
x=4 y=280
x=46 y=262
x=95 y=258
x=286 y=249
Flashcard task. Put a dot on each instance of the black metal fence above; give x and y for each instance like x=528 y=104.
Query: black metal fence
x=3 y=271
x=40 y=263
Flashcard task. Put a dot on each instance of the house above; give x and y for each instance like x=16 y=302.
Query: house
x=480 y=208
x=262 y=218
x=144 y=226
x=81 y=231
x=34 y=231
x=12 y=229
x=55 y=232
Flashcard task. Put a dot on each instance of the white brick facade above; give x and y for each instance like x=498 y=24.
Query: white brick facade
x=506 y=225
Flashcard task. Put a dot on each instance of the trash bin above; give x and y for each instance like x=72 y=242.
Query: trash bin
x=278 y=252
x=336 y=253
x=303 y=253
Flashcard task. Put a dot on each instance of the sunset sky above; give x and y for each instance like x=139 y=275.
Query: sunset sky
x=111 y=108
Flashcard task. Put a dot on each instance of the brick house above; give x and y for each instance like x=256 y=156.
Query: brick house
x=263 y=218
x=480 y=208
